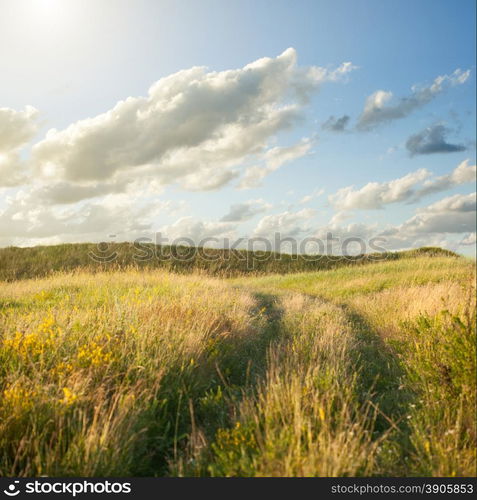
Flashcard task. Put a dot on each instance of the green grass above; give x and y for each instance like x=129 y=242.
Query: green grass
x=362 y=370
x=348 y=281
x=22 y=263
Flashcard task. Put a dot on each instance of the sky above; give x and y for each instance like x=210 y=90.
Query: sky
x=122 y=119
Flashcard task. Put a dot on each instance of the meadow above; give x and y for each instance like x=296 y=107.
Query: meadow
x=362 y=368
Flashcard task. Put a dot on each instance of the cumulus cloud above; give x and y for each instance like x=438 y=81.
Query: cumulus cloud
x=339 y=217
x=438 y=224
x=375 y=195
x=16 y=129
x=273 y=159
x=194 y=127
x=410 y=188
x=309 y=197
x=12 y=169
x=393 y=239
x=24 y=220
x=244 y=211
x=288 y=224
x=431 y=225
x=432 y=140
x=342 y=239
x=456 y=203
x=334 y=124
x=462 y=174
x=379 y=108
x=469 y=239
x=61 y=193
x=454 y=214
x=197 y=231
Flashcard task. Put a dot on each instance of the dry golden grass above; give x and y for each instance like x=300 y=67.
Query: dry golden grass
x=387 y=310
x=303 y=421
x=365 y=370
x=88 y=357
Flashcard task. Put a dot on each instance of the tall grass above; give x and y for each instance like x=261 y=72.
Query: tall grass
x=93 y=369
x=364 y=370
x=306 y=417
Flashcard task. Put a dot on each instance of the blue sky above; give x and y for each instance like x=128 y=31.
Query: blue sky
x=71 y=60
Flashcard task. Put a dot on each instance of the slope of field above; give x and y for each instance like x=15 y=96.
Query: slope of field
x=20 y=263
x=360 y=370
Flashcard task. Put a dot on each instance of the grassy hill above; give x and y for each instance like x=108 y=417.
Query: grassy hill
x=19 y=263
x=362 y=369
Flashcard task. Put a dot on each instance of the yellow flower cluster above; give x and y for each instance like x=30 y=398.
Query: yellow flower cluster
x=18 y=399
x=62 y=369
x=35 y=343
x=236 y=437
x=69 y=397
x=94 y=354
x=43 y=295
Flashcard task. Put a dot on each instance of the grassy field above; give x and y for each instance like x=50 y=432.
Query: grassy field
x=359 y=370
x=19 y=263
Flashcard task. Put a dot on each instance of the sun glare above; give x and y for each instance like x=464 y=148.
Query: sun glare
x=47 y=10
x=47 y=4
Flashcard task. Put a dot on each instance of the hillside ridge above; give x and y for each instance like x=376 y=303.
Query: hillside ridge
x=39 y=261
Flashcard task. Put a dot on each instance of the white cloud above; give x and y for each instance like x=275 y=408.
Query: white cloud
x=379 y=109
x=278 y=156
x=193 y=128
x=23 y=220
x=455 y=218
x=375 y=195
x=339 y=217
x=288 y=224
x=66 y=192
x=195 y=230
x=11 y=169
x=245 y=211
x=309 y=197
x=456 y=203
x=196 y=128
x=273 y=159
x=451 y=215
x=352 y=230
x=462 y=174
x=469 y=240
x=16 y=129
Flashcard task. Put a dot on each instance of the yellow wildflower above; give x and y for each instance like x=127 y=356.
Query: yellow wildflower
x=18 y=399
x=322 y=414
x=34 y=344
x=93 y=354
x=69 y=397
